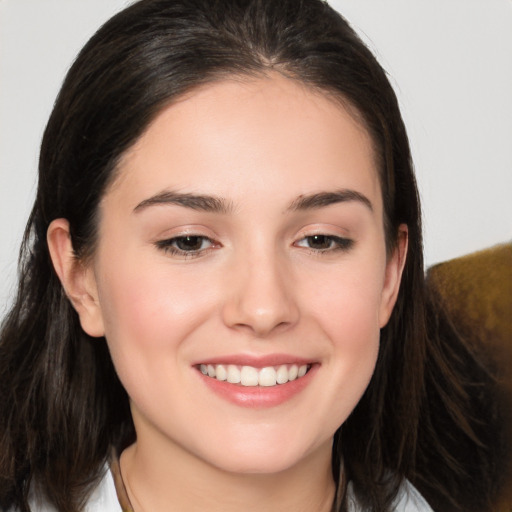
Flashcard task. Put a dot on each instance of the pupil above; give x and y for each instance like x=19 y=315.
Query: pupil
x=189 y=243
x=319 y=241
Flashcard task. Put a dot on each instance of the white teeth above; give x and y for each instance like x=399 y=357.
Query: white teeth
x=268 y=377
x=233 y=375
x=283 y=375
x=221 y=372
x=250 y=376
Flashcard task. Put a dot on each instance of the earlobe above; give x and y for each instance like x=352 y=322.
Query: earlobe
x=78 y=280
x=394 y=269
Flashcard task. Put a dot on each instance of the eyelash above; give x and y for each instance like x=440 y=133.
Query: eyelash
x=171 y=245
x=336 y=243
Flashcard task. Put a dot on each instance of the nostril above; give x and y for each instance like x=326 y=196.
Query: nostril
x=261 y=299
x=263 y=327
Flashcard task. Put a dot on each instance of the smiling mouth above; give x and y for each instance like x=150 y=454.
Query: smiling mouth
x=250 y=376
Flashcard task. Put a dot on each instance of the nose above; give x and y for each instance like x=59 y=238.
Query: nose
x=260 y=298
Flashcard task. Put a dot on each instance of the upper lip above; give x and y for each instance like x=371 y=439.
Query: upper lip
x=256 y=361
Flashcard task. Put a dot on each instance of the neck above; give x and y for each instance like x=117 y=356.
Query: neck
x=173 y=480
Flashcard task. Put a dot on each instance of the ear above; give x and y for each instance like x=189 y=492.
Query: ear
x=394 y=268
x=77 y=279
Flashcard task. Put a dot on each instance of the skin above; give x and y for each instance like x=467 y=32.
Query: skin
x=257 y=286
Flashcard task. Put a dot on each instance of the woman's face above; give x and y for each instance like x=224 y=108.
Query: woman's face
x=244 y=236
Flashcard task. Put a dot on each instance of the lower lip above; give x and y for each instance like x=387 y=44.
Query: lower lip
x=259 y=397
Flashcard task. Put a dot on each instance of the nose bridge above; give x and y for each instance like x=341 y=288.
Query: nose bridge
x=261 y=298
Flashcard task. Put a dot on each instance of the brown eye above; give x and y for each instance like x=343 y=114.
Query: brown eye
x=325 y=243
x=189 y=243
x=320 y=242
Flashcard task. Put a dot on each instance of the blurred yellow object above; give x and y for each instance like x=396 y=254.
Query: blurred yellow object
x=476 y=294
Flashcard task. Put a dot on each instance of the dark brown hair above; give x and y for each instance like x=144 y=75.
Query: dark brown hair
x=62 y=407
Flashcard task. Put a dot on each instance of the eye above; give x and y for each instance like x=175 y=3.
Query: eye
x=325 y=243
x=186 y=245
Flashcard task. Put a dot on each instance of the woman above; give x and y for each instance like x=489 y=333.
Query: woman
x=222 y=280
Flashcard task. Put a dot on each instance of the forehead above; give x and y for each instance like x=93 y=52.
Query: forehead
x=269 y=131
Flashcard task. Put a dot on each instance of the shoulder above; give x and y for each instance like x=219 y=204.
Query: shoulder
x=408 y=500
x=102 y=499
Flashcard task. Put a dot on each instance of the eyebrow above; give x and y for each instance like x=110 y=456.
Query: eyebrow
x=203 y=203
x=213 y=204
x=323 y=199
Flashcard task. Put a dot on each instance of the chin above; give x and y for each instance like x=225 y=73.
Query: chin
x=261 y=465
x=265 y=457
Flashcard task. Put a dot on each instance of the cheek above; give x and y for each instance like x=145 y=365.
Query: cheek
x=351 y=324
x=147 y=313
x=347 y=310
x=355 y=352
x=347 y=302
